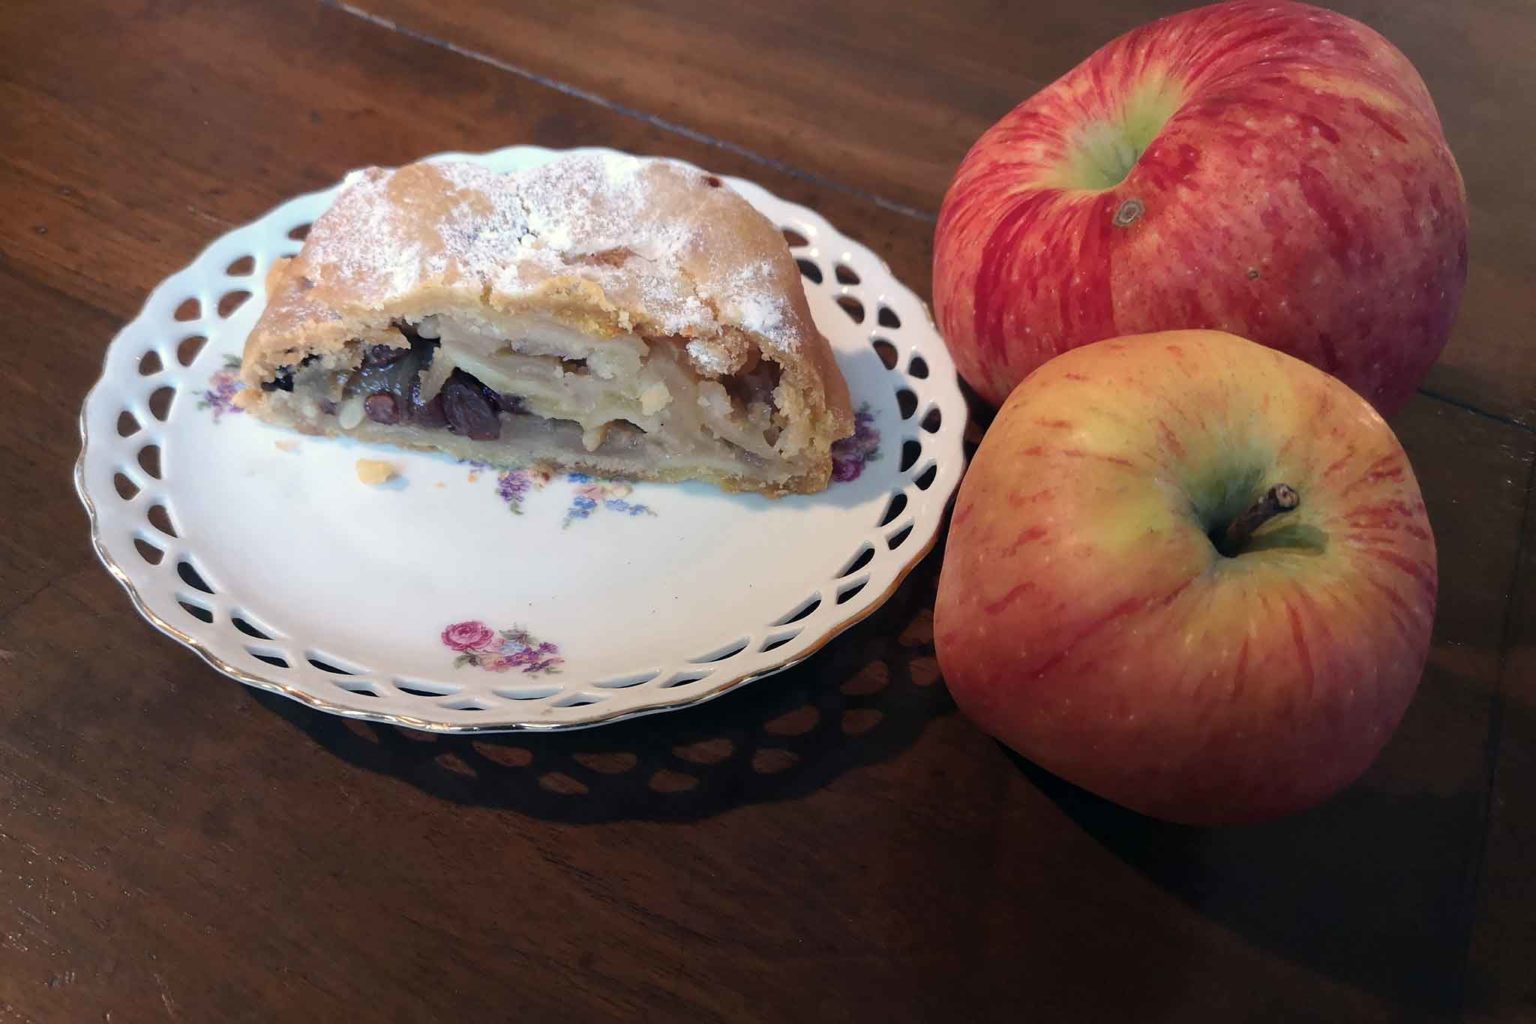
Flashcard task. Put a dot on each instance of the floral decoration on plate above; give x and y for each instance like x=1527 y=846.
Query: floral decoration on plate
x=593 y=494
x=222 y=388
x=852 y=454
x=514 y=486
x=502 y=650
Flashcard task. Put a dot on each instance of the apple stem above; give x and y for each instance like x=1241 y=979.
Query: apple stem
x=1278 y=499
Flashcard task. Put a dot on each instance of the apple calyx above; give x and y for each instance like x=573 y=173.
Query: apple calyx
x=1278 y=499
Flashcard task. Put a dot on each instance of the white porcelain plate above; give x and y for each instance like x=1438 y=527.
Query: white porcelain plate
x=459 y=599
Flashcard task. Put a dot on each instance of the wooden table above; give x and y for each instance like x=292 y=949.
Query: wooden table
x=836 y=843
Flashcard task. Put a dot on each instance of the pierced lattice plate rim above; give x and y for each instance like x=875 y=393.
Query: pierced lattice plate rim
x=459 y=600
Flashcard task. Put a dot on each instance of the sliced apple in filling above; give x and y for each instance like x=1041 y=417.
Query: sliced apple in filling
x=536 y=391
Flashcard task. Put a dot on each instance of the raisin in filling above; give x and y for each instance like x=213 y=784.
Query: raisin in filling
x=639 y=387
x=388 y=383
x=283 y=379
x=388 y=380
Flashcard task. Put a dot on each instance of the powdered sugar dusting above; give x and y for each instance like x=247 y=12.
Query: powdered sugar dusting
x=753 y=301
x=348 y=244
x=591 y=216
x=710 y=359
x=485 y=224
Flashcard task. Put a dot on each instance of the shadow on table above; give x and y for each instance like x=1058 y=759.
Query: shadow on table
x=865 y=697
x=1371 y=888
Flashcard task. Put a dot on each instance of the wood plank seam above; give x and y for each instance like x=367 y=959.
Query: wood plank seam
x=1520 y=425
x=621 y=109
x=1508 y=635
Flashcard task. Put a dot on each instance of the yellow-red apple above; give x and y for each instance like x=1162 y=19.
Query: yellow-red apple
x=1271 y=169
x=1118 y=604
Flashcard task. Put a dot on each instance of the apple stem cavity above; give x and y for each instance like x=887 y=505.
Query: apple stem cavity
x=1279 y=499
x=1104 y=152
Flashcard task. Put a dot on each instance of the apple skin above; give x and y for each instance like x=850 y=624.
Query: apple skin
x=1293 y=186
x=1085 y=619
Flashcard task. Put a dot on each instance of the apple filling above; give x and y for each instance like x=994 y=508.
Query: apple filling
x=532 y=389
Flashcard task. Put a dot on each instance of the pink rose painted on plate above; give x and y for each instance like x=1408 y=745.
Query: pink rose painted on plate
x=468 y=636
x=503 y=650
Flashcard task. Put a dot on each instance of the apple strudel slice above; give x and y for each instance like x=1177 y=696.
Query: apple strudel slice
x=601 y=313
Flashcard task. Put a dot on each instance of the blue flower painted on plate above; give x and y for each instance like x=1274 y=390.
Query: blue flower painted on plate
x=593 y=494
x=515 y=487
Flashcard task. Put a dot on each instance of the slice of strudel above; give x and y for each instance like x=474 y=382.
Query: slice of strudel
x=602 y=313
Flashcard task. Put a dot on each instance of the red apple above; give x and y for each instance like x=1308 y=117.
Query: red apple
x=1271 y=169
x=1087 y=618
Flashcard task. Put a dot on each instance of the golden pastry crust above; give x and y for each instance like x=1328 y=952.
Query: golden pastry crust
x=610 y=245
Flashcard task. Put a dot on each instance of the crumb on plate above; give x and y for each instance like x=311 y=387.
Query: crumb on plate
x=375 y=471
x=287 y=446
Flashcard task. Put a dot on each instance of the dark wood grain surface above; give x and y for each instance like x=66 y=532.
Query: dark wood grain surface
x=835 y=843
